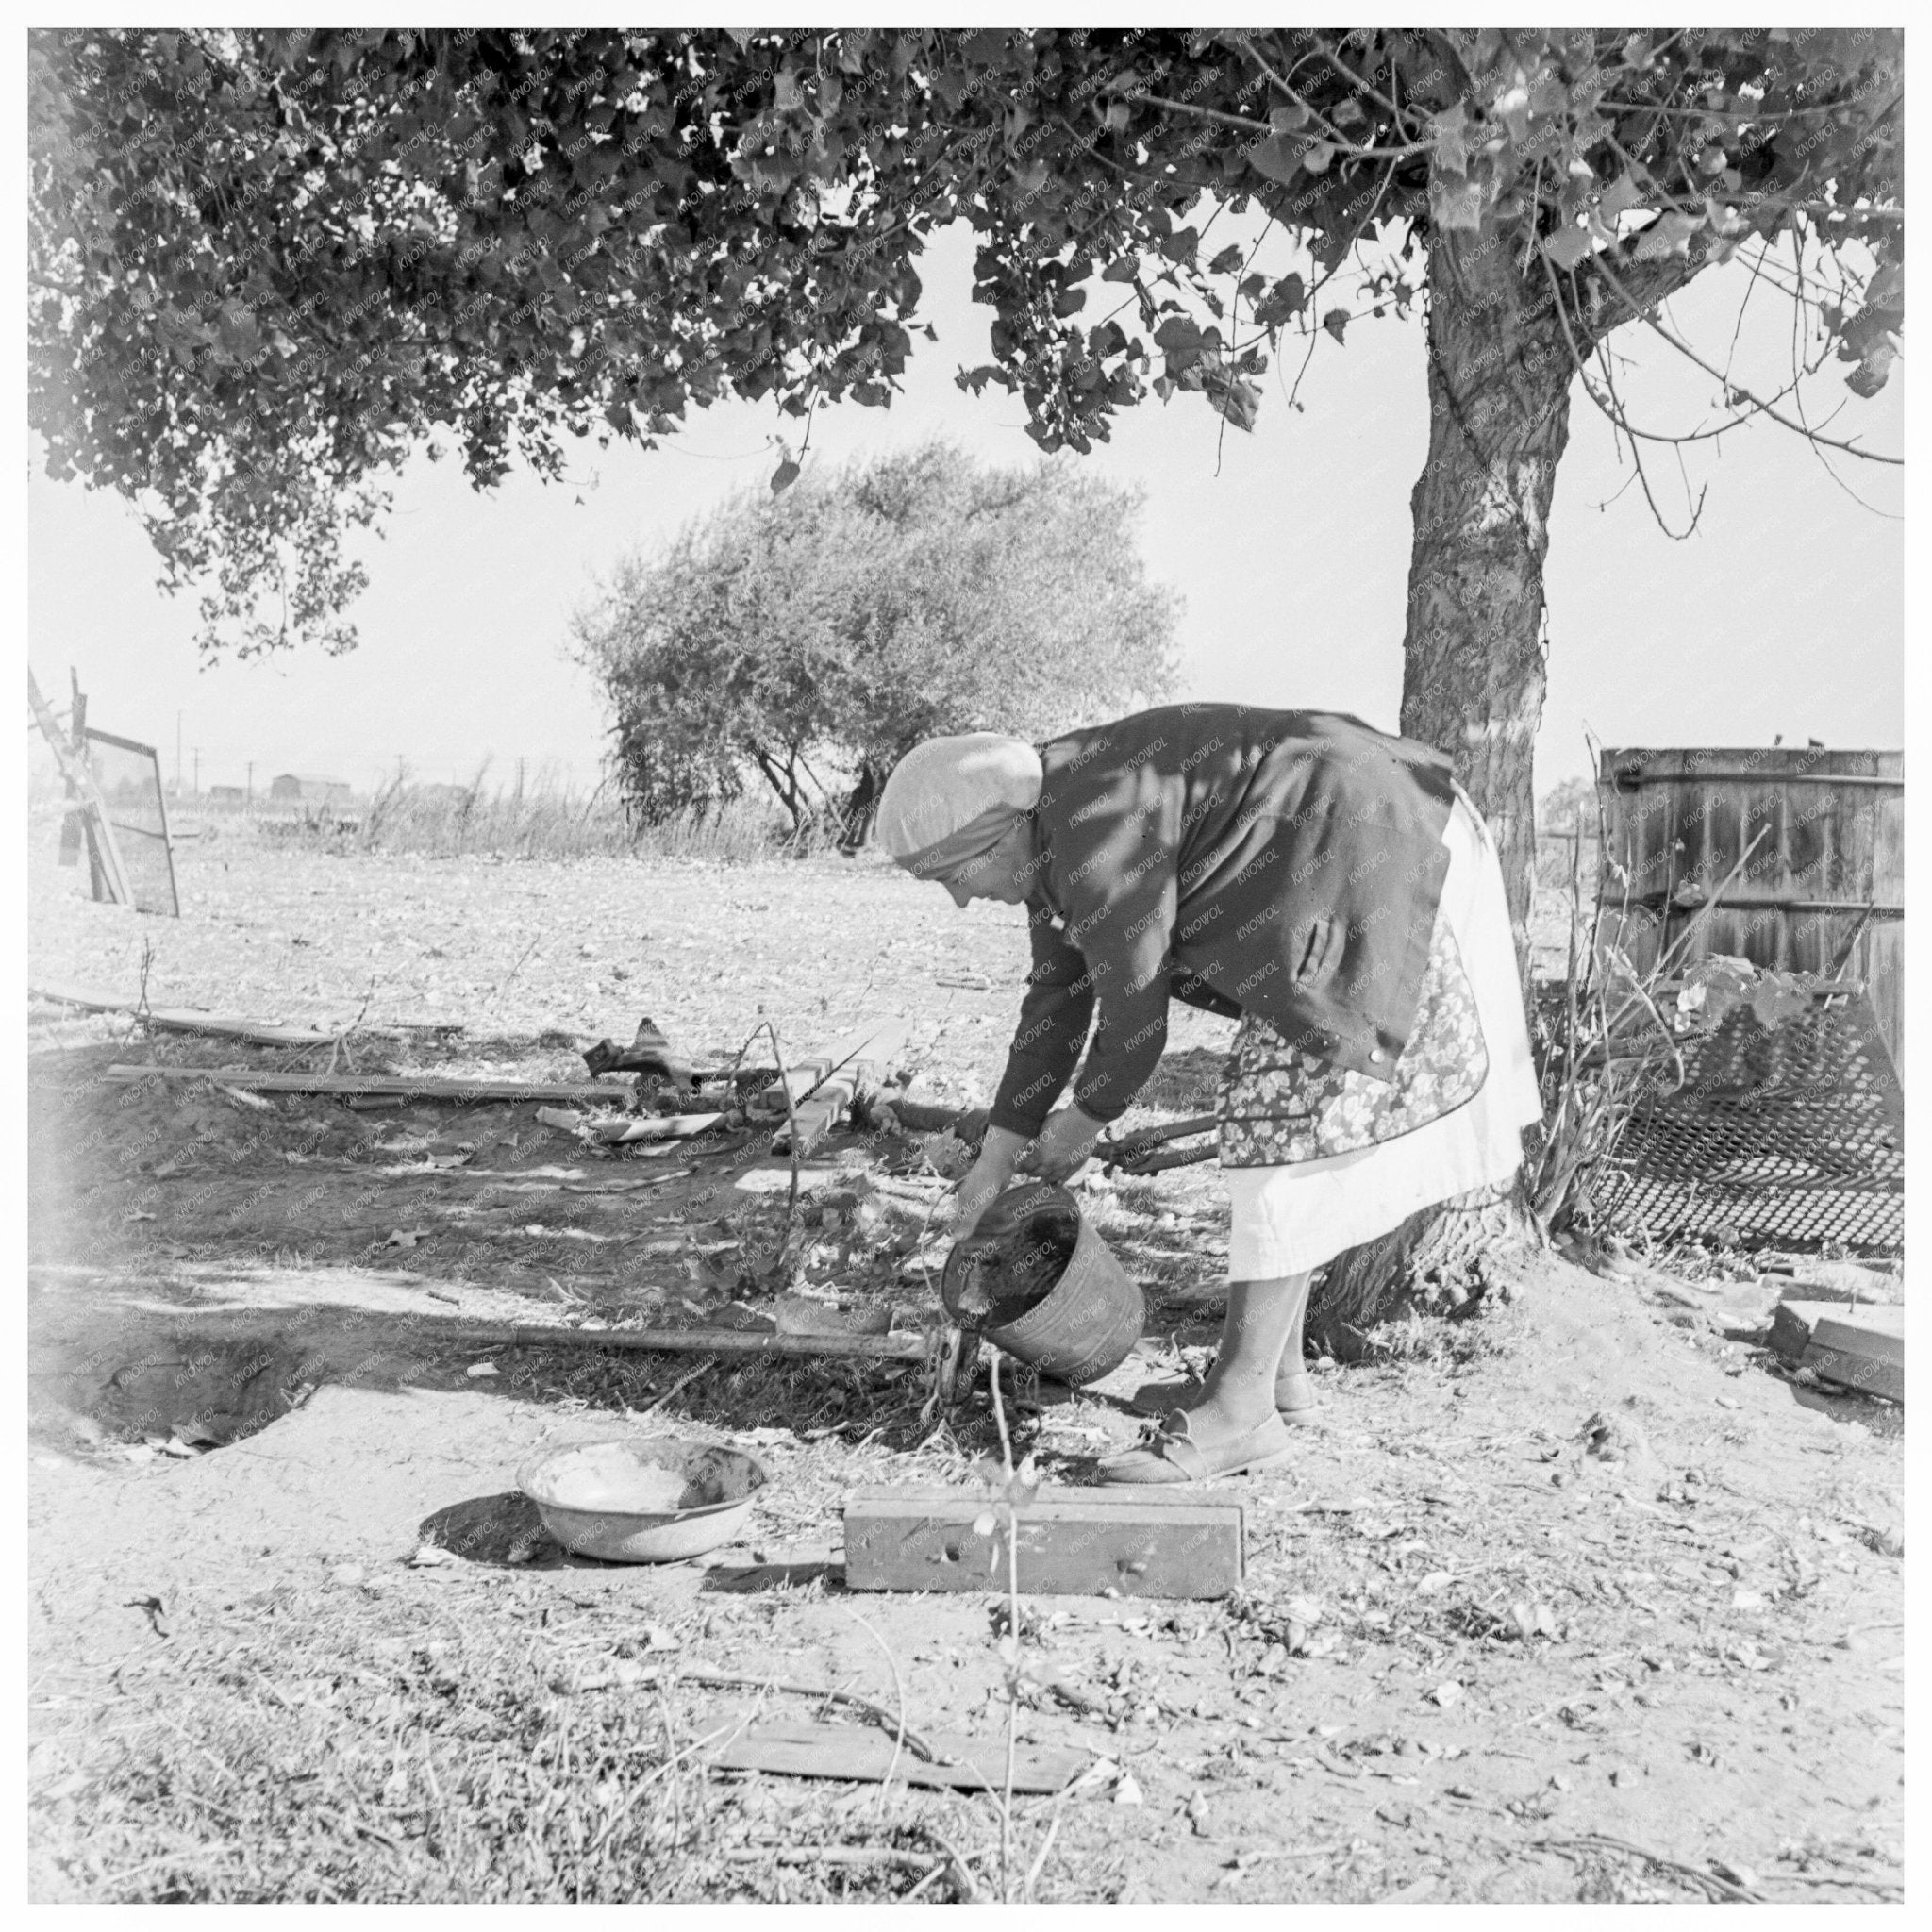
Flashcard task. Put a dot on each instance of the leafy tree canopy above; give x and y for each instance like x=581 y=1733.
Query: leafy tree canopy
x=826 y=631
x=1571 y=803
x=264 y=265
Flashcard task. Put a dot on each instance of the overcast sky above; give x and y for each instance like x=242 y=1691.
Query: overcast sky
x=1783 y=613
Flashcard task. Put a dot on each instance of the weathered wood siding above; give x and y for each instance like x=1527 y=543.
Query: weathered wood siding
x=1833 y=843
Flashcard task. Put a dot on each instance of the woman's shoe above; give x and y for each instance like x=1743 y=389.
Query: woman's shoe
x=1294 y=1396
x=1171 y=1454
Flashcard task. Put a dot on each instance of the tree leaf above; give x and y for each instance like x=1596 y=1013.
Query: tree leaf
x=1276 y=156
x=1282 y=302
x=1568 y=247
x=1619 y=198
x=784 y=476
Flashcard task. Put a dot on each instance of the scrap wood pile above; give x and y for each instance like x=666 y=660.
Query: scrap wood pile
x=852 y=1081
x=817 y=1247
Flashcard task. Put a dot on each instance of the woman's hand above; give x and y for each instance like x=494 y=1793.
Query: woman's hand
x=999 y=1161
x=1062 y=1145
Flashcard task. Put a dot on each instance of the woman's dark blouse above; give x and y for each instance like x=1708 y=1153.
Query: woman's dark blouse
x=1283 y=862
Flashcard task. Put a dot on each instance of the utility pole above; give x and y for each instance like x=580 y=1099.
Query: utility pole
x=251 y=781
x=520 y=781
x=197 y=772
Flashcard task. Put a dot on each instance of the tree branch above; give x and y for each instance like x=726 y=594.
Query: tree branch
x=1359 y=82
x=1684 y=350
x=1614 y=411
x=1334 y=133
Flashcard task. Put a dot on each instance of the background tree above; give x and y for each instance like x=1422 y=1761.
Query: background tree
x=1572 y=803
x=822 y=632
x=264 y=266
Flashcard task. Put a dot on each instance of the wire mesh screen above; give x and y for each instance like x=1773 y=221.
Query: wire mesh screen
x=1786 y=1136
x=129 y=779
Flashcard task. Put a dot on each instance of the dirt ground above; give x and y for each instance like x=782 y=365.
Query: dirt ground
x=1578 y=1598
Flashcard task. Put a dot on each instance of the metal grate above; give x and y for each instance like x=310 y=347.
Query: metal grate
x=1788 y=1137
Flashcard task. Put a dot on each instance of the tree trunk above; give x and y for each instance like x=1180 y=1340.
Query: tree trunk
x=1473 y=676
x=783 y=782
x=1434 y=1262
x=1499 y=417
x=860 y=803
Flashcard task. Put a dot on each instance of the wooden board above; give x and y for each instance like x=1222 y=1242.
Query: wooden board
x=865 y=1052
x=186 y=1019
x=1835 y=844
x=815 y=1118
x=675 y=1127
x=865 y=1756
x=1862 y=1347
x=902 y=1347
x=410 y=1088
x=1083 y=1543
x=74 y=768
x=844 y=1085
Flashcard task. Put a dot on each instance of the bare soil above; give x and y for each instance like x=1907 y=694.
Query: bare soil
x=1579 y=1597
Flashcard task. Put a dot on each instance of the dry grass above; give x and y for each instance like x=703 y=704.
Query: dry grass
x=553 y=822
x=366 y=1744
x=467 y=1736
x=547 y=822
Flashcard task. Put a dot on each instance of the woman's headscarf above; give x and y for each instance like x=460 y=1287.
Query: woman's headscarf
x=951 y=800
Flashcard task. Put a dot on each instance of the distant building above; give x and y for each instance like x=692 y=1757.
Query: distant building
x=226 y=795
x=305 y=788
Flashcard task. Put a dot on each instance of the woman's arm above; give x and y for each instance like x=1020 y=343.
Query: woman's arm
x=1127 y=1045
x=1054 y=1019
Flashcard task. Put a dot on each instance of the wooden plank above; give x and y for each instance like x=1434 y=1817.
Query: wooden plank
x=673 y=1126
x=928 y=1117
x=905 y=1347
x=409 y=1086
x=850 y=1079
x=1791 y=1328
x=1836 y=823
x=815 y=1118
x=1880 y=1333
x=80 y=780
x=795 y=1749
x=1856 y=1370
x=1132 y=1541
x=798 y=1079
x=186 y=1019
x=871 y=1044
x=1878 y=1329
x=1863 y=1348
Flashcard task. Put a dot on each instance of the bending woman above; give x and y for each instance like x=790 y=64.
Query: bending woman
x=1330 y=885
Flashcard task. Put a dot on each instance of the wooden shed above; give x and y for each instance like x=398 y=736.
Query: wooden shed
x=1824 y=889
x=309 y=788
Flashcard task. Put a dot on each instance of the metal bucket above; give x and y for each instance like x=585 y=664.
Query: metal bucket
x=1036 y=1280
